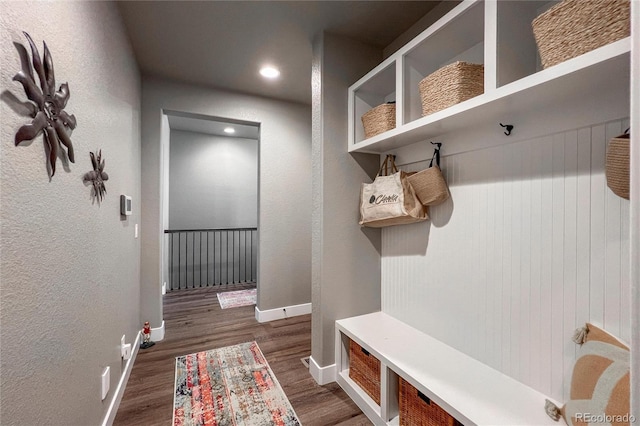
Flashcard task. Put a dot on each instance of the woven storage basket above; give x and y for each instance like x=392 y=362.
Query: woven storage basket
x=379 y=119
x=574 y=27
x=364 y=369
x=617 y=165
x=450 y=85
x=418 y=410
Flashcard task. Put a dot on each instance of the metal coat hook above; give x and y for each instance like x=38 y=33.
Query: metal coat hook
x=509 y=128
x=436 y=153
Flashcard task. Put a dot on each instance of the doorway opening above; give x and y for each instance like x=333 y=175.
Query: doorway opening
x=210 y=201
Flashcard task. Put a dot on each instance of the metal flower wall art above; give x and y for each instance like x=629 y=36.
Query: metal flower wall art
x=97 y=176
x=49 y=116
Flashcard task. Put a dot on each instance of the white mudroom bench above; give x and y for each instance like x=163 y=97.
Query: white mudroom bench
x=472 y=392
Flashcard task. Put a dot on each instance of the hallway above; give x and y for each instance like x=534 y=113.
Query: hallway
x=194 y=322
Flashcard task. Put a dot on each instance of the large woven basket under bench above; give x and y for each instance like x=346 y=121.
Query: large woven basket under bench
x=416 y=409
x=364 y=369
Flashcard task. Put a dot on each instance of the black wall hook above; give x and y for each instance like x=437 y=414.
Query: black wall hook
x=436 y=154
x=509 y=128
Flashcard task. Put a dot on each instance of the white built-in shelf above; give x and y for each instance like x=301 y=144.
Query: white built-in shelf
x=499 y=35
x=472 y=392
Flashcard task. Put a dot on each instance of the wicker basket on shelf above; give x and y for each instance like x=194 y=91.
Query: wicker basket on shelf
x=364 y=369
x=450 y=85
x=418 y=410
x=574 y=27
x=617 y=165
x=379 y=119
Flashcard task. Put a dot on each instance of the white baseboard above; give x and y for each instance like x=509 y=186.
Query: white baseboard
x=322 y=375
x=281 y=313
x=157 y=334
x=110 y=415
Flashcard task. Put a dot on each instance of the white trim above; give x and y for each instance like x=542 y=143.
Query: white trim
x=110 y=415
x=157 y=334
x=281 y=313
x=370 y=409
x=322 y=375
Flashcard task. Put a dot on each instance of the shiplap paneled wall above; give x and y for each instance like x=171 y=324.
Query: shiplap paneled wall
x=532 y=245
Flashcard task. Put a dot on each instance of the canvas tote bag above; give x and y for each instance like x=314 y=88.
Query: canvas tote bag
x=390 y=199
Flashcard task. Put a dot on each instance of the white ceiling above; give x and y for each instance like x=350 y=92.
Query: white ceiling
x=223 y=43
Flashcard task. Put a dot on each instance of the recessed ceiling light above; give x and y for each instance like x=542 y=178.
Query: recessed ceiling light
x=229 y=130
x=269 y=72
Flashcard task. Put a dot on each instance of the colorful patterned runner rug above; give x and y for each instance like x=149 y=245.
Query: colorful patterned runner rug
x=233 y=299
x=231 y=386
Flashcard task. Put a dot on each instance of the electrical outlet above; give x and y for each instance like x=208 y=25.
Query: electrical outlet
x=135 y=231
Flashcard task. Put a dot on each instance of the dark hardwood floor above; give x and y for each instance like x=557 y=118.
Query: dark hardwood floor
x=194 y=322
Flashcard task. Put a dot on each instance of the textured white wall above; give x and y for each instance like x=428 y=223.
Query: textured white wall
x=531 y=245
x=70 y=277
x=214 y=181
x=284 y=219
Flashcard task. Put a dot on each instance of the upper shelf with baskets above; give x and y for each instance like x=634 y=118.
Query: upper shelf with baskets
x=499 y=36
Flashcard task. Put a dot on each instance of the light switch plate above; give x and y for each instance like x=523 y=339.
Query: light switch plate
x=126 y=351
x=106 y=379
x=125 y=205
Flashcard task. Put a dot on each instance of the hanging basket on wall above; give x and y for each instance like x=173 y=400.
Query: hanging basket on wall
x=429 y=184
x=617 y=165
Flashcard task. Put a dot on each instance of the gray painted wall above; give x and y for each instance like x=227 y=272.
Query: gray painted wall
x=69 y=269
x=284 y=218
x=213 y=181
x=346 y=257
